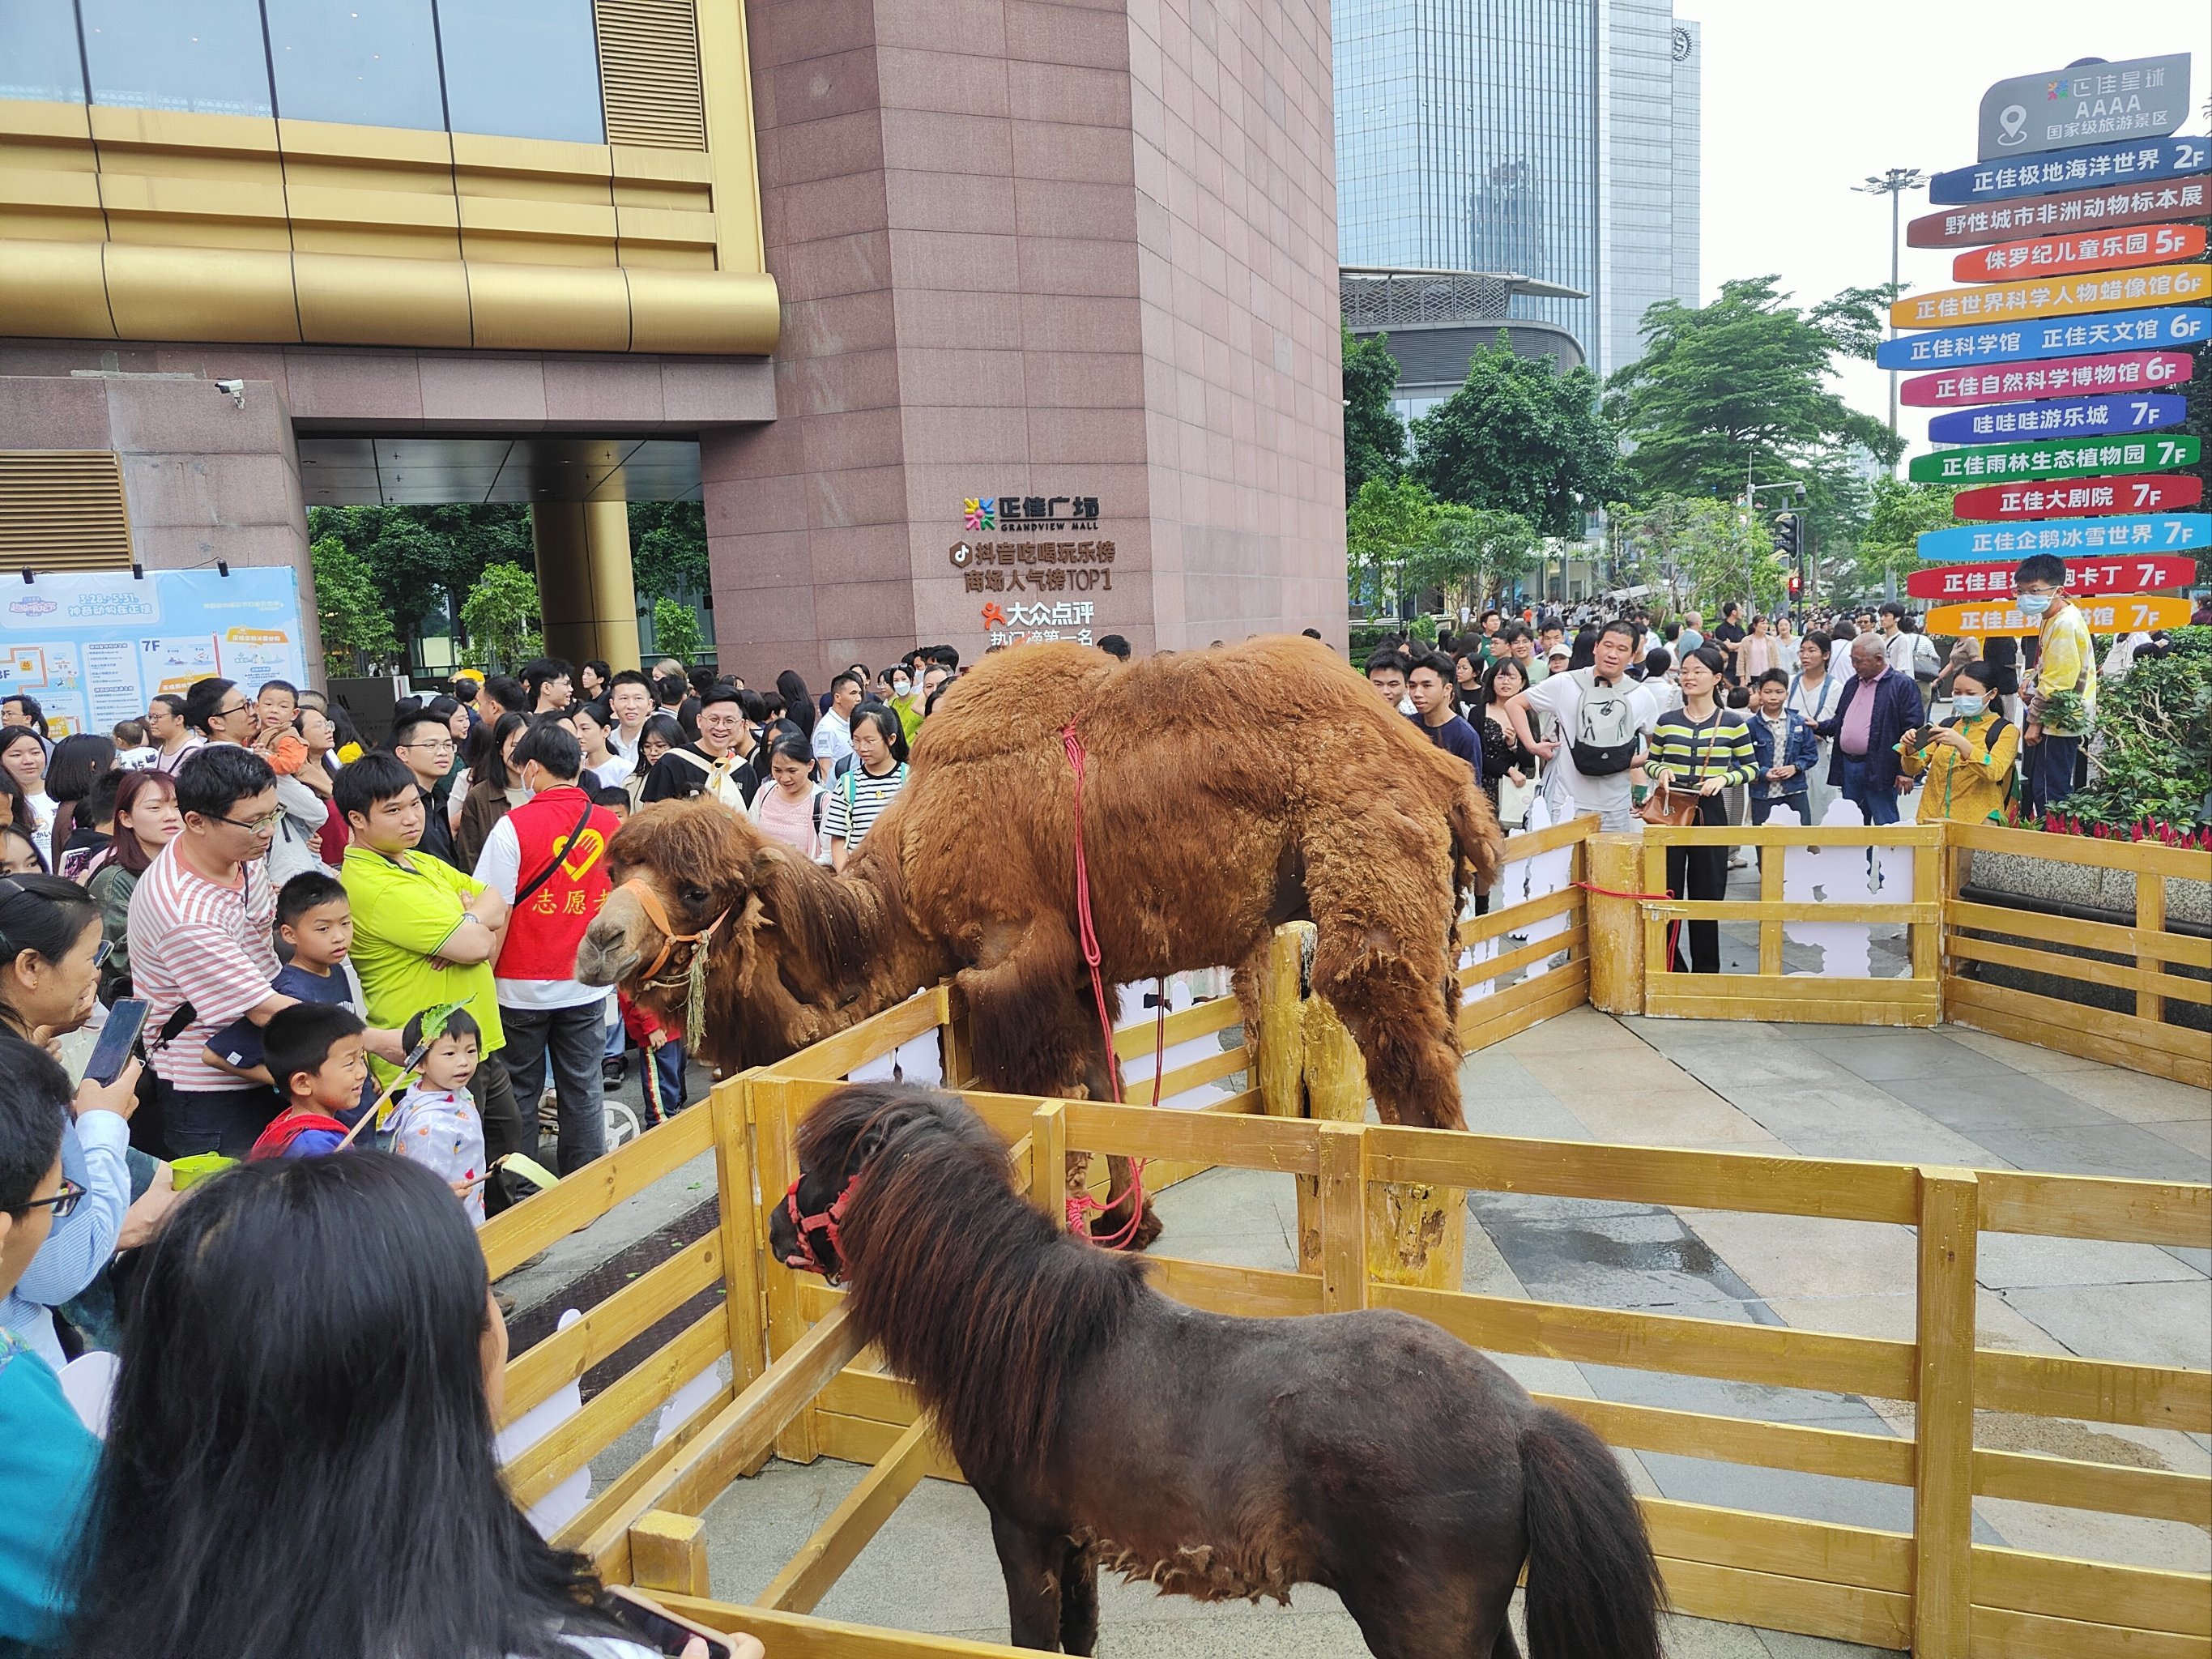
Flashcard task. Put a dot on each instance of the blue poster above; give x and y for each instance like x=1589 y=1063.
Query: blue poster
x=2013 y=343
x=2075 y=417
x=93 y=645
x=2143 y=161
x=2161 y=532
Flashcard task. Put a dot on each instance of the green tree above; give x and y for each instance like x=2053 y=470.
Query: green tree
x=357 y=634
x=1704 y=551
x=1520 y=437
x=676 y=630
x=1388 y=529
x=1473 y=553
x=668 y=547
x=1739 y=389
x=1374 y=435
x=423 y=559
x=1899 y=512
x=501 y=616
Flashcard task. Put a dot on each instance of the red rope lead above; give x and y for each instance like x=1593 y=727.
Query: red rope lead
x=1673 y=928
x=1082 y=1205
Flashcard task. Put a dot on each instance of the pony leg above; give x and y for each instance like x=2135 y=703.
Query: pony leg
x=1032 y=1563
x=1380 y=958
x=1078 y=1602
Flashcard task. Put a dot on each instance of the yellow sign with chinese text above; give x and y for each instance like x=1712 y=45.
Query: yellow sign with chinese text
x=2055 y=296
x=2125 y=613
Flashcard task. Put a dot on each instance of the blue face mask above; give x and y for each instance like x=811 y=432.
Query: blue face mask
x=1966 y=707
x=2033 y=604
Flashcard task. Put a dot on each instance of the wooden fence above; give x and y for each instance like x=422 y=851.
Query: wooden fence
x=800 y=1387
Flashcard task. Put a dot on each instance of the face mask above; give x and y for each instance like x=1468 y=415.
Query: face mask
x=2033 y=604
x=1966 y=707
x=899 y=688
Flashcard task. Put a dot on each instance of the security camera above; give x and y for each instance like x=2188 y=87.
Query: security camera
x=233 y=390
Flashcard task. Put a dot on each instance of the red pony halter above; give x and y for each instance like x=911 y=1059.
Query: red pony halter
x=828 y=1222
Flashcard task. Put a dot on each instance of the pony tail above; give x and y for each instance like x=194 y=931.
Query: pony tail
x=1594 y=1586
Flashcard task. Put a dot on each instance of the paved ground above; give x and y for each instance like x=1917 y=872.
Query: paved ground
x=1948 y=1095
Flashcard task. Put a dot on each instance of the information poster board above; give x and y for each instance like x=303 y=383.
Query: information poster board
x=91 y=647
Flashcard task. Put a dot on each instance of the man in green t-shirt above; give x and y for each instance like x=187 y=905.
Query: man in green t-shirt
x=424 y=933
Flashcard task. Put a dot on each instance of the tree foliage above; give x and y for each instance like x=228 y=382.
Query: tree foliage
x=2154 y=751
x=357 y=632
x=1520 y=437
x=424 y=558
x=1702 y=551
x=502 y=618
x=1472 y=553
x=1900 y=514
x=1388 y=522
x=668 y=547
x=1374 y=435
x=676 y=630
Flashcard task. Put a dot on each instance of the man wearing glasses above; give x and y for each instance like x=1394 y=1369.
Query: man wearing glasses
x=221 y=713
x=202 y=916
x=424 y=744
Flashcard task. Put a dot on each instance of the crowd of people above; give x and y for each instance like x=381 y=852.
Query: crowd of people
x=1596 y=709
x=328 y=945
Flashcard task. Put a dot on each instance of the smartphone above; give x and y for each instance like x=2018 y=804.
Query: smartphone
x=661 y=1630
x=117 y=1039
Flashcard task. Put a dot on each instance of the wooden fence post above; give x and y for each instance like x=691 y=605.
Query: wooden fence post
x=786 y=1325
x=2150 y=918
x=955 y=1048
x=1049 y=1161
x=1616 y=925
x=731 y=1105
x=1943 y=1439
x=1278 y=1046
x=1343 y=1209
x=668 y=1552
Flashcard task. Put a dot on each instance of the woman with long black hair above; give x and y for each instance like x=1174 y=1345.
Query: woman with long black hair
x=797 y=702
x=299 y=1455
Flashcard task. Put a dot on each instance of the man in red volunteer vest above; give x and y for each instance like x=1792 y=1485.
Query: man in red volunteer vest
x=547 y=858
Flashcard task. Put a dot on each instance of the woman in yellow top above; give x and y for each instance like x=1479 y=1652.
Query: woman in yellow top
x=1968 y=760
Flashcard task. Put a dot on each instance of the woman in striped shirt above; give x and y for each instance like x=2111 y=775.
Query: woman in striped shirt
x=859 y=795
x=1704 y=747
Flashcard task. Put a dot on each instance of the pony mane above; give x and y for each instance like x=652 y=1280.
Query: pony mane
x=976 y=1298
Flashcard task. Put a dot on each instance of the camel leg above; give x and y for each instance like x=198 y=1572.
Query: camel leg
x=1380 y=958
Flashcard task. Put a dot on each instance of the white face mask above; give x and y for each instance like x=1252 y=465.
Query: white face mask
x=900 y=688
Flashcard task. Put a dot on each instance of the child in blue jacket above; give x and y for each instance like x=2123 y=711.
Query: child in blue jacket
x=1784 y=749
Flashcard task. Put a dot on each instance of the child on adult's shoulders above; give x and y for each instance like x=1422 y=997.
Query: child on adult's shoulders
x=314 y=919
x=316 y=1050
x=437 y=1122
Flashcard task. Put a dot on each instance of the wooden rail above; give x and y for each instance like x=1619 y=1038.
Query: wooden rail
x=799 y=1386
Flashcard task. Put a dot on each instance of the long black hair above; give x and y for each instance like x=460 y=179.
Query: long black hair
x=299 y=1458
x=42 y=913
x=797 y=702
x=485 y=743
x=76 y=761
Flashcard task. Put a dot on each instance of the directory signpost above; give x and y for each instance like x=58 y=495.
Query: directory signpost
x=2100 y=208
x=2146 y=162
x=2013 y=342
x=2165 y=533
x=2085 y=102
x=2085 y=416
x=2150 y=493
x=2091 y=250
x=2060 y=377
x=2130 y=613
x=2063 y=458
x=2135 y=573
x=2039 y=296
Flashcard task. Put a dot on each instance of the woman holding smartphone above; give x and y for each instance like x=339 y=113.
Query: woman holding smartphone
x=316 y=1367
x=51 y=952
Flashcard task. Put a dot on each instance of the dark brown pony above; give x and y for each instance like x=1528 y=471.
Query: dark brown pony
x=1104 y=1425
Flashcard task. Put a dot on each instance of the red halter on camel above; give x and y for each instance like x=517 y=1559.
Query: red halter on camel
x=1082 y=1205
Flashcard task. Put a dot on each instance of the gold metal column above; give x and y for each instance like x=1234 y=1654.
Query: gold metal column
x=585 y=585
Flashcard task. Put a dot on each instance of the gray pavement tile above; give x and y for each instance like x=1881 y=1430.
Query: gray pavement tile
x=2143 y=1324
x=1968 y=1104
x=2011 y=1260
x=2120 y=1149
x=1879 y=1056
x=1853 y=1120
x=1638 y=1256
x=1786 y=1644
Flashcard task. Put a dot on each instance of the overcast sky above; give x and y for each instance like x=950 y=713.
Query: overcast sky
x=1804 y=99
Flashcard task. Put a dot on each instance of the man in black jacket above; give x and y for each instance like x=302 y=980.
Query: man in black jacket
x=1879 y=706
x=424 y=746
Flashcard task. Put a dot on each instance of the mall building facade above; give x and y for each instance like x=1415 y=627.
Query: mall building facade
x=966 y=320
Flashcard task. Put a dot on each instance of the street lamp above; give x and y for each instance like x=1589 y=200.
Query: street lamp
x=1892 y=183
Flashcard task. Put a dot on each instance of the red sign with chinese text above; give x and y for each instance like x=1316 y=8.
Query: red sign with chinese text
x=2063 y=377
x=2083 y=249
x=2078 y=498
x=2071 y=211
x=2121 y=574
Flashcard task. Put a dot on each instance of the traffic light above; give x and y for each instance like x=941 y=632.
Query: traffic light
x=1796 y=584
x=1789 y=534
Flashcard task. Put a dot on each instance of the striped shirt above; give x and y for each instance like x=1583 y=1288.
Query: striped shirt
x=1717 y=746
x=857 y=799
x=193 y=940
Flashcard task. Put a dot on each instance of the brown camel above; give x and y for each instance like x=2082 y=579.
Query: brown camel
x=1224 y=791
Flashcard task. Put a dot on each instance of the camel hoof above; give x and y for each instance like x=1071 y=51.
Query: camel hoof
x=1109 y=1223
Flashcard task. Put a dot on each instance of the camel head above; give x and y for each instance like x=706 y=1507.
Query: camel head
x=781 y=935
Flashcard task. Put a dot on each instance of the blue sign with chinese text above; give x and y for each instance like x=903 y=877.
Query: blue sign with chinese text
x=2161 y=532
x=2015 y=341
x=2143 y=161
x=2081 y=417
